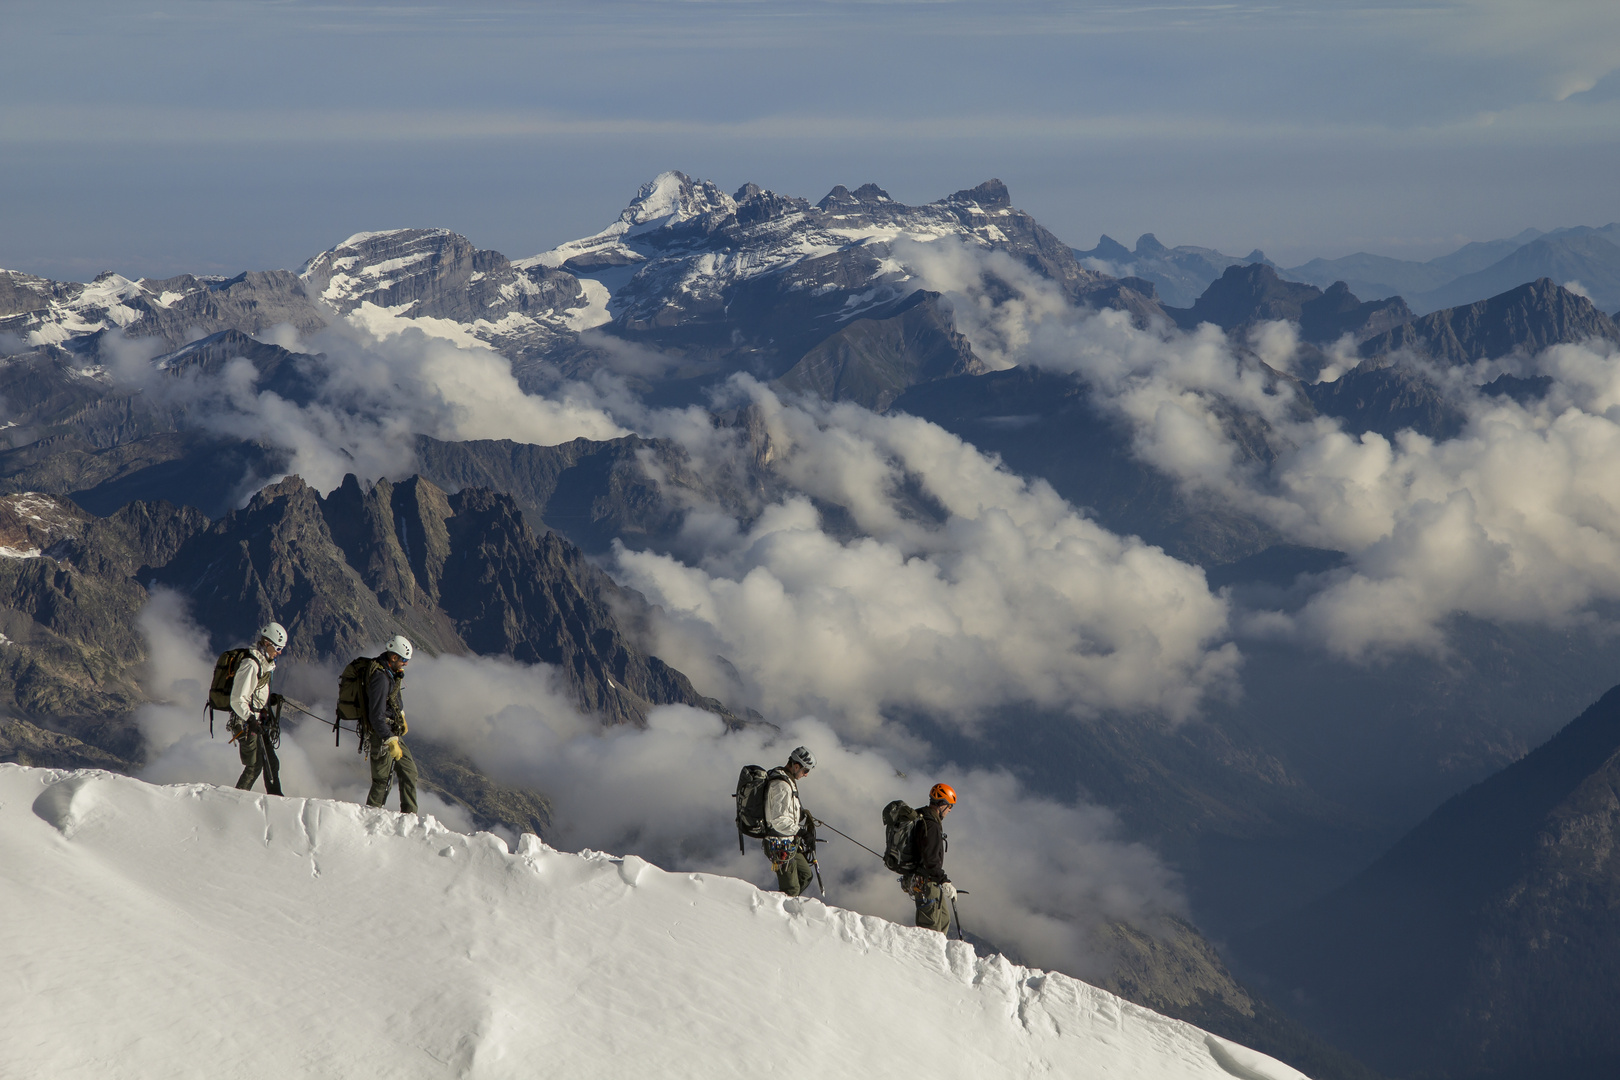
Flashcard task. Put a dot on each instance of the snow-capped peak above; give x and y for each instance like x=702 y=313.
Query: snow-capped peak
x=671 y=198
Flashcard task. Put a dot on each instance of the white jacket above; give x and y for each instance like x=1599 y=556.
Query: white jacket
x=782 y=810
x=251 y=690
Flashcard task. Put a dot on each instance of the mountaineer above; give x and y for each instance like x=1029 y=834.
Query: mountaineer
x=792 y=831
x=369 y=692
x=915 y=846
x=255 y=725
x=769 y=810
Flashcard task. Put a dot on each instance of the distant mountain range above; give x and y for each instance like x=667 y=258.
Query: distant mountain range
x=1582 y=258
x=1180 y=274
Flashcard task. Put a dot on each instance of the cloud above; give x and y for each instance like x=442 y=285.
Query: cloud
x=964 y=588
x=1043 y=875
x=374 y=387
x=1516 y=519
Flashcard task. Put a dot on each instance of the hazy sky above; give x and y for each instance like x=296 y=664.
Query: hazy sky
x=213 y=136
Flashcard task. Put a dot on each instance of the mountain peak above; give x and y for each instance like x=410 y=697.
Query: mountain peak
x=991 y=195
x=1110 y=249
x=1527 y=318
x=671 y=198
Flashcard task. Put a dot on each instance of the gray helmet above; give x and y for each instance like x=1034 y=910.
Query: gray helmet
x=275 y=634
x=802 y=758
x=399 y=647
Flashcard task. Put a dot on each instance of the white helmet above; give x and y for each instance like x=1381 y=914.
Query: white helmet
x=802 y=757
x=275 y=634
x=398 y=646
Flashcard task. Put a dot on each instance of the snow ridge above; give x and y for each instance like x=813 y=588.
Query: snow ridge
x=215 y=932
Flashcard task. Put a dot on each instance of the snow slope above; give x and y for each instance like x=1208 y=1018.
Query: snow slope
x=194 y=930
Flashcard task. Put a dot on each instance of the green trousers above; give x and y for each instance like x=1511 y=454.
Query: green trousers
x=795 y=875
x=383 y=770
x=932 y=911
x=256 y=758
x=247 y=748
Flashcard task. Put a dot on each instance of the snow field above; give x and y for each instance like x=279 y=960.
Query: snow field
x=200 y=931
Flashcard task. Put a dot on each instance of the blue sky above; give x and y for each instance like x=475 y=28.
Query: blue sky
x=210 y=136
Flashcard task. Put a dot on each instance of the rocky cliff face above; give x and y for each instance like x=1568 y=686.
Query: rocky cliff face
x=459 y=573
x=43 y=312
x=68 y=641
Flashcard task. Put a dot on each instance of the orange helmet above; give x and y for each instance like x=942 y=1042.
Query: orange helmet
x=942 y=793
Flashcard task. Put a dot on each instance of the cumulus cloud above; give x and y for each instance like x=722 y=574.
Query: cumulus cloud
x=374 y=385
x=1516 y=518
x=965 y=587
x=1043 y=876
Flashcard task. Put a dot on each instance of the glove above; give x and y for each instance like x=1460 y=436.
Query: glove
x=404 y=728
x=392 y=748
x=947 y=892
x=274 y=700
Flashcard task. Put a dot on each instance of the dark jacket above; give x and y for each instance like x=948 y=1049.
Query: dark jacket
x=928 y=847
x=384 y=704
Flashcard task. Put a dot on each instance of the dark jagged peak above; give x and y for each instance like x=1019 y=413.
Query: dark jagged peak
x=839 y=196
x=756 y=204
x=1246 y=294
x=990 y=195
x=871 y=193
x=1107 y=249
x=455 y=573
x=1388 y=399
x=1526 y=320
x=1338 y=312
x=1148 y=244
x=1523 y=389
x=275 y=559
x=1258 y=256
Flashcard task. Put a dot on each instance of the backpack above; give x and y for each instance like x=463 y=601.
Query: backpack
x=899 y=822
x=224 y=681
x=351 y=699
x=752 y=783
